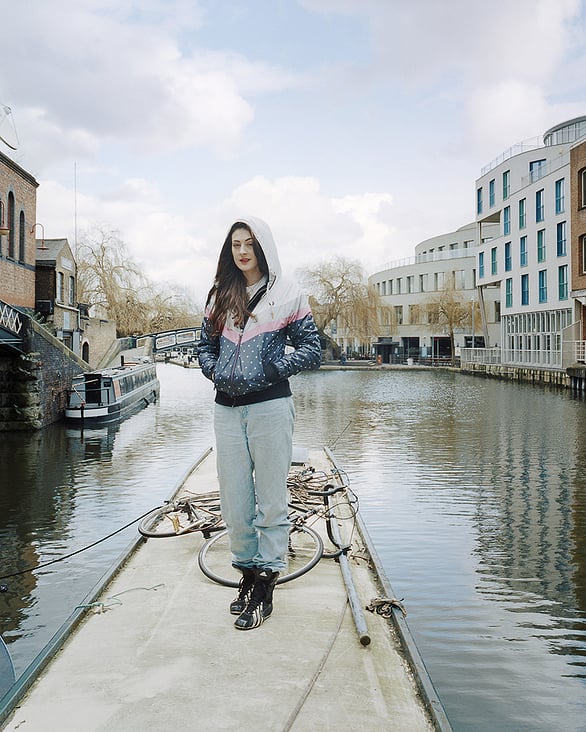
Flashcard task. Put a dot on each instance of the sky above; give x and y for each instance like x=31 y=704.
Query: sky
x=355 y=128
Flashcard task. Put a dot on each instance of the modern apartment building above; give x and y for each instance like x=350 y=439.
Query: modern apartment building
x=528 y=193
x=408 y=287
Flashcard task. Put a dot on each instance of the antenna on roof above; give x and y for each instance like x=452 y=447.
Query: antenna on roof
x=8 y=133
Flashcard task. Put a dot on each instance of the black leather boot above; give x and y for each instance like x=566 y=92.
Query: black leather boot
x=244 y=590
x=260 y=605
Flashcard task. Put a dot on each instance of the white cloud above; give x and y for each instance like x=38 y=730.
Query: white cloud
x=87 y=77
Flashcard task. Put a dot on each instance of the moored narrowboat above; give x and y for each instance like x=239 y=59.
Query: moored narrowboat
x=110 y=395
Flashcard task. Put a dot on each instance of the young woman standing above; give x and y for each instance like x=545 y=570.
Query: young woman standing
x=251 y=314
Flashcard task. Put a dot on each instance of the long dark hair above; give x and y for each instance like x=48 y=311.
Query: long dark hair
x=229 y=288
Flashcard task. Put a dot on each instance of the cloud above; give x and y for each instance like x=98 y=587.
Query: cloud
x=423 y=40
x=88 y=77
x=309 y=226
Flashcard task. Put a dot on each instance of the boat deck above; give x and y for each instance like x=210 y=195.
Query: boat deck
x=165 y=655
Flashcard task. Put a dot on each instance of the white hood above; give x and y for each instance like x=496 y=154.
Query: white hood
x=264 y=236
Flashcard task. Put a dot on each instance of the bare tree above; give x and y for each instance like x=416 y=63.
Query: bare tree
x=447 y=308
x=111 y=283
x=340 y=295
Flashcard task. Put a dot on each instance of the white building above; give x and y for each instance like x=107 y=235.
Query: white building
x=407 y=286
x=525 y=193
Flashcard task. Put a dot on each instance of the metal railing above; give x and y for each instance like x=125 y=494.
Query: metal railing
x=10 y=318
x=510 y=357
x=480 y=355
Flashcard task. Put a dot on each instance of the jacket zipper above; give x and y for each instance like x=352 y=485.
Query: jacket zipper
x=236 y=354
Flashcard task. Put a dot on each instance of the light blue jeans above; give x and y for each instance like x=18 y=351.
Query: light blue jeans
x=254 y=446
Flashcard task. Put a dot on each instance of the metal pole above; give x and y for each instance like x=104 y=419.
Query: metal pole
x=353 y=599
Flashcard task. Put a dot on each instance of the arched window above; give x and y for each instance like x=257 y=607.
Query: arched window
x=582 y=188
x=21 y=238
x=11 y=225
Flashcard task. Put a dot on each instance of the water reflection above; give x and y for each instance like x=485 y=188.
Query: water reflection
x=473 y=491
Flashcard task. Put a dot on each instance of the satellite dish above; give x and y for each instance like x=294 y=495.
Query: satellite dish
x=8 y=133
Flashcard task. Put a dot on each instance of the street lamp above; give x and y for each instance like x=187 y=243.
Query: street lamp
x=43 y=233
x=4 y=230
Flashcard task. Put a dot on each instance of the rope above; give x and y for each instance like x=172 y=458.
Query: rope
x=299 y=706
x=101 y=607
x=78 y=551
x=384 y=606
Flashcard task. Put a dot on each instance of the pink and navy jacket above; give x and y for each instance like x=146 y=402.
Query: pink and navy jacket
x=251 y=364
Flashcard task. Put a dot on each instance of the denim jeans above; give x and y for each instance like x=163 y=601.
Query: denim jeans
x=254 y=446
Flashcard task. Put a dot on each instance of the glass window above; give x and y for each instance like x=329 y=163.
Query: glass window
x=509 y=292
x=583 y=188
x=506 y=184
x=10 y=216
x=508 y=258
x=563 y=282
x=507 y=220
x=59 y=286
x=491 y=193
x=481 y=264
x=541 y=245
x=536 y=170
x=524 y=289
x=583 y=254
x=71 y=298
x=543 y=285
x=523 y=251
x=561 y=239
x=399 y=314
x=522 y=218
x=493 y=261
x=479 y=201
x=560 y=202
x=539 y=206
x=21 y=240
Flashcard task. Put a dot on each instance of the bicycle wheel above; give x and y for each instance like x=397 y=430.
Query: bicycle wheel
x=304 y=552
x=178 y=517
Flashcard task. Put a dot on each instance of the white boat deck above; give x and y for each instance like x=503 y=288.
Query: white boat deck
x=164 y=655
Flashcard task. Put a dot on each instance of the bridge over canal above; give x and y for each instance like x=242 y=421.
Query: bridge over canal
x=180 y=339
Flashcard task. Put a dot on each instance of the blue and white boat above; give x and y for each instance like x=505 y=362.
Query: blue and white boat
x=112 y=394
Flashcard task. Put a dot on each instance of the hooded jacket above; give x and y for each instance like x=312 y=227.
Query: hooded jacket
x=250 y=364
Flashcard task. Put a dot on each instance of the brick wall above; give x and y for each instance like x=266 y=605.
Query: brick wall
x=17 y=278
x=578 y=225
x=98 y=336
x=33 y=387
x=578 y=214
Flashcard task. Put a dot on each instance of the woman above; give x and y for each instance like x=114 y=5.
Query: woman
x=251 y=313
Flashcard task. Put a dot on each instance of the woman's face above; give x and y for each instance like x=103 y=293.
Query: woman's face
x=244 y=256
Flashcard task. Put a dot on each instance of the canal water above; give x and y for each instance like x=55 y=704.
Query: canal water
x=473 y=491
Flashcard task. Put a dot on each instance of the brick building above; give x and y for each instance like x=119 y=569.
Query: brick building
x=578 y=232
x=18 y=205
x=56 y=290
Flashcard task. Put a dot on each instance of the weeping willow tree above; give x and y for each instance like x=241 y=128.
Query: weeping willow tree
x=342 y=302
x=113 y=285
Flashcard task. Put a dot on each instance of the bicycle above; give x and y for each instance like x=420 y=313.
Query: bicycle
x=310 y=493
x=186 y=514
